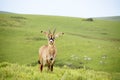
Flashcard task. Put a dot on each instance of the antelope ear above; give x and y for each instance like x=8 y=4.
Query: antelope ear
x=59 y=34
x=46 y=33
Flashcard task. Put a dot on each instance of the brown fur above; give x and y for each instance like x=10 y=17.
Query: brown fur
x=47 y=53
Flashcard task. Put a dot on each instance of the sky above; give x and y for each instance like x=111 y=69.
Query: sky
x=73 y=8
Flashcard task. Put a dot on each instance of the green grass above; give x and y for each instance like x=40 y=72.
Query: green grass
x=16 y=72
x=85 y=44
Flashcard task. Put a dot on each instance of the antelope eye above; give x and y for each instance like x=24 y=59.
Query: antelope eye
x=53 y=37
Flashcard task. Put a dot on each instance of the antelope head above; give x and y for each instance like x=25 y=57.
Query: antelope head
x=51 y=36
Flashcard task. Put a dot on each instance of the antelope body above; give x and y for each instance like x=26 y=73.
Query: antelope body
x=47 y=53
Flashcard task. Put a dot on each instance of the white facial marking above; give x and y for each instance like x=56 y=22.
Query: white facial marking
x=51 y=40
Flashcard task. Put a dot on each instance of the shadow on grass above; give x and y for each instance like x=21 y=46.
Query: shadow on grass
x=36 y=38
x=92 y=37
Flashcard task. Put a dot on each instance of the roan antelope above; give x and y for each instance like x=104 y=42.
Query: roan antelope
x=47 y=53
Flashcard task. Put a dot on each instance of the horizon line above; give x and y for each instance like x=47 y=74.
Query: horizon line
x=57 y=15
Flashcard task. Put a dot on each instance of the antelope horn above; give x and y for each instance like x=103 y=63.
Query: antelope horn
x=49 y=31
x=54 y=31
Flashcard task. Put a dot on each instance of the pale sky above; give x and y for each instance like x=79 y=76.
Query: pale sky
x=74 y=8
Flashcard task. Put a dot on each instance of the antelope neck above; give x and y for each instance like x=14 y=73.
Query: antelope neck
x=51 y=45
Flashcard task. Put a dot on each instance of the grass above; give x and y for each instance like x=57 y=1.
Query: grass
x=16 y=72
x=90 y=45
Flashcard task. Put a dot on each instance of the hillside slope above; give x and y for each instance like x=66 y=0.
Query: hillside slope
x=95 y=45
x=5 y=12
x=112 y=18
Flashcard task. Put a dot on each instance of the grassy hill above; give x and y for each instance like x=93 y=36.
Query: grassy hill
x=112 y=18
x=91 y=45
x=5 y=12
